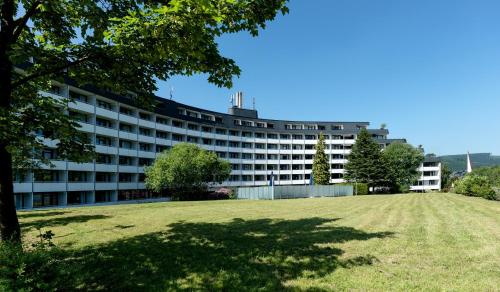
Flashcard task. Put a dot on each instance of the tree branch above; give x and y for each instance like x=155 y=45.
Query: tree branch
x=20 y=23
x=49 y=71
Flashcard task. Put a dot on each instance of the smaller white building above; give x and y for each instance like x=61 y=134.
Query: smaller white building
x=430 y=175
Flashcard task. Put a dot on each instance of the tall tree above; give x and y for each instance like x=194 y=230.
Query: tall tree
x=118 y=45
x=365 y=164
x=402 y=161
x=321 y=167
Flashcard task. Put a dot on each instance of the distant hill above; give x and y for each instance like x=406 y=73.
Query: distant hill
x=459 y=162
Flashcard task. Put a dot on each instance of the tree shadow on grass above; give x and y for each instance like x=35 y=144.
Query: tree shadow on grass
x=34 y=214
x=59 y=221
x=237 y=255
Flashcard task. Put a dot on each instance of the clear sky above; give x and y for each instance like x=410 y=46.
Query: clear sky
x=429 y=69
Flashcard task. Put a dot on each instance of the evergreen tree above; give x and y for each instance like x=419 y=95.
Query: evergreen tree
x=321 y=168
x=365 y=164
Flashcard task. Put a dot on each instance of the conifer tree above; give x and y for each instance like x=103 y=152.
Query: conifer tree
x=366 y=164
x=321 y=168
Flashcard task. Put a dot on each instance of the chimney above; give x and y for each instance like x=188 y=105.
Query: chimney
x=239 y=99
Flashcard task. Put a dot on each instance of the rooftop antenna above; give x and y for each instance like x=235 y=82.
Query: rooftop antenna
x=171 y=92
x=253 y=103
x=231 y=99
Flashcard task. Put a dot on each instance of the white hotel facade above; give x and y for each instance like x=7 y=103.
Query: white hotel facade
x=127 y=138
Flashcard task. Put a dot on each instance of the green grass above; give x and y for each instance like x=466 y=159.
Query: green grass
x=399 y=242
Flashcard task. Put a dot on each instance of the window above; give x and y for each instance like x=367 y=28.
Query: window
x=126 y=111
x=193 y=127
x=161 y=134
x=78 y=176
x=221 y=154
x=78 y=97
x=235 y=166
x=145 y=147
x=146 y=132
x=260 y=146
x=285 y=146
x=259 y=166
x=104 y=105
x=177 y=124
x=272 y=146
x=177 y=137
x=145 y=116
x=206 y=141
x=261 y=125
x=103 y=177
x=246 y=134
x=234 y=155
x=246 y=145
x=126 y=128
x=220 y=131
x=284 y=136
x=285 y=156
x=233 y=133
x=78 y=116
x=125 y=177
x=162 y=121
x=161 y=148
x=54 y=89
x=104 y=159
x=125 y=160
x=260 y=135
x=192 y=139
x=145 y=161
x=126 y=144
x=310 y=137
x=309 y=156
x=206 y=129
x=103 y=123
x=298 y=137
x=272 y=136
x=220 y=143
x=246 y=155
x=103 y=141
x=309 y=146
x=207 y=117
x=272 y=156
x=48 y=153
x=297 y=147
x=260 y=156
x=337 y=127
x=234 y=144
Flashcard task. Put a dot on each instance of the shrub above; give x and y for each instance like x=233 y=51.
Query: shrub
x=30 y=269
x=476 y=186
x=360 y=189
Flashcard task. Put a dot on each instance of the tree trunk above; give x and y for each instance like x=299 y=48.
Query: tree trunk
x=9 y=225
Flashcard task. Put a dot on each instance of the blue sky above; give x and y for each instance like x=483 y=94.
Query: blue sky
x=429 y=69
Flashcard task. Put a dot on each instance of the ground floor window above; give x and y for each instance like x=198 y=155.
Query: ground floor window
x=45 y=199
x=23 y=200
x=75 y=198
x=103 y=196
x=125 y=195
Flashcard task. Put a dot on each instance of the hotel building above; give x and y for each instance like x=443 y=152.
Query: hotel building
x=127 y=138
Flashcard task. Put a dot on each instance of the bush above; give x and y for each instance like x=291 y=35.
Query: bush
x=360 y=189
x=30 y=269
x=476 y=186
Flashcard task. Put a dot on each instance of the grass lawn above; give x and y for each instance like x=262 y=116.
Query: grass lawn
x=398 y=242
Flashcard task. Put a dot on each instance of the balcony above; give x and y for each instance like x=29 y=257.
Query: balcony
x=80 y=166
x=49 y=187
x=127 y=118
x=106 y=131
x=127 y=135
x=146 y=123
x=146 y=139
x=127 y=168
x=127 y=152
x=80 y=186
x=106 y=149
x=24 y=187
x=106 y=167
x=146 y=154
x=105 y=186
x=81 y=106
x=106 y=113
x=127 y=186
x=86 y=127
